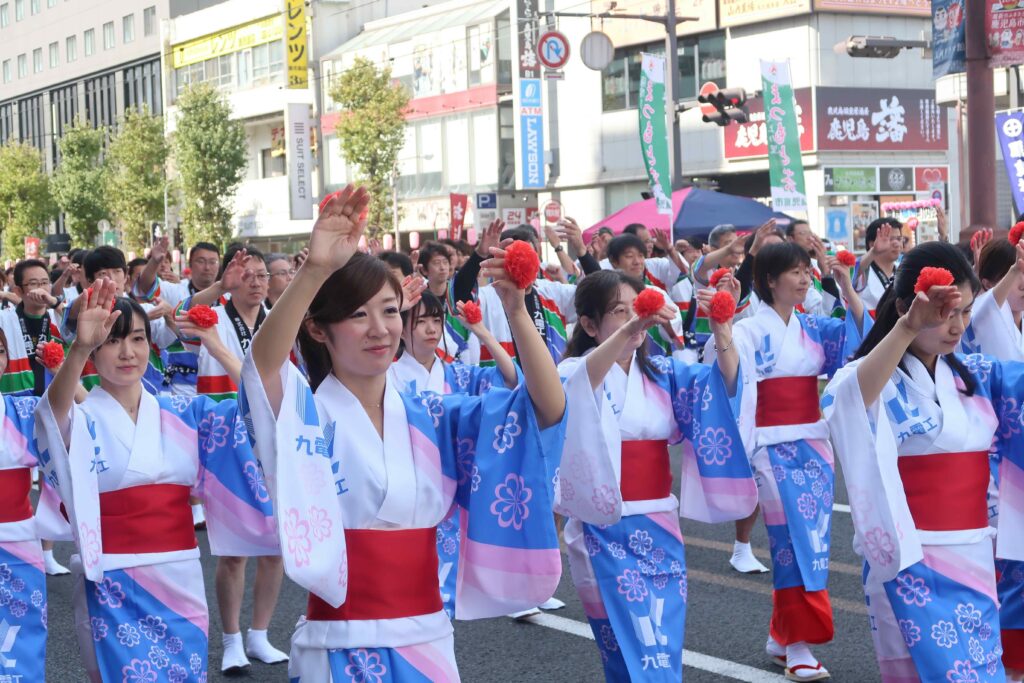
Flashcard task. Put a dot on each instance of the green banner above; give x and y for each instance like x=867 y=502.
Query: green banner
x=653 y=135
x=851 y=180
x=785 y=165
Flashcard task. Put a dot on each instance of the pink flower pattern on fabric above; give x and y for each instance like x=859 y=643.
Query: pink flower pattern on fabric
x=297 y=531
x=320 y=523
x=510 y=504
x=879 y=546
x=365 y=667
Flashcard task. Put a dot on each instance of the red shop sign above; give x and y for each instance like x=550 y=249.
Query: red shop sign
x=750 y=139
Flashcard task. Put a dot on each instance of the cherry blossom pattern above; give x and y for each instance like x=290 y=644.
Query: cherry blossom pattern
x=604 y=499
x=616 y=550
x=962 y=672
x=785 y=451
x=434 y=406
x=608 y=638
x=127 y=635
x=879 y=546
x=319 y=523
x=153 y=628
x=910 y=631
x=640 y=542
x=632 y=585
x=505 y=434
x=715 y=446
x=465 y=455
x=257 y=484
x=510 y=504
x=592 y=545
x=968 y=617
x=109 y=593
x=912 y=590
x=99 y=628
x=296 y=530
x=89 y=542
x=174 y=645
x=177 y=674
x=138 y=671
x=158 y=657
x=1009 y=417
x=213 y=433
x=784 y=557
x=365 y=667
x=807 y=505
x=944 y=634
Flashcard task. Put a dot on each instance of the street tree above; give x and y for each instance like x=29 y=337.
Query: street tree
x=136 y=176
x=210 y=159
x=371 y=131
x=26 y=205
x=78 y=185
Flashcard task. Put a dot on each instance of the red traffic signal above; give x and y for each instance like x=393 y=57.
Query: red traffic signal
x=728 y=104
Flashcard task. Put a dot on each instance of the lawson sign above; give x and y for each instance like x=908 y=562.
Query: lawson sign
x=531 y=135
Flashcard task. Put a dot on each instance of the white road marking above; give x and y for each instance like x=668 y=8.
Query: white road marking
x=839 y=507
x=694 y=660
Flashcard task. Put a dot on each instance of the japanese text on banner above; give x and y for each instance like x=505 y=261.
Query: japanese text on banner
x=653 y=136
x=785 y=165
x=295 y=36
x=1010 y=129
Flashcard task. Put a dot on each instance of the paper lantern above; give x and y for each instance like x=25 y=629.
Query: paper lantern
x=389 y=242
x=442 y=234
x=414 y=240
x=471 y=236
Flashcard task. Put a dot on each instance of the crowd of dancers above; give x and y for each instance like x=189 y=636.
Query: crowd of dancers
x=402 y=436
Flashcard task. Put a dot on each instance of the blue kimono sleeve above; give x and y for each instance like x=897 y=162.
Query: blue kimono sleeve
x=474 y=379
x=716 y=482
x=503 y=466
x=239 y=514
x=20 y=416
x=840 y=338
x=1005 y=381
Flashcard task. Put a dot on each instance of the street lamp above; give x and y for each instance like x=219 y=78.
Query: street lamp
x=878 y=47
x=982 y=198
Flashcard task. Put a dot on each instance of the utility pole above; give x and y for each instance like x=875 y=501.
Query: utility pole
x=670 y=21
x=981 y=111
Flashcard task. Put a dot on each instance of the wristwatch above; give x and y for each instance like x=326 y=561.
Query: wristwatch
x=559 y=249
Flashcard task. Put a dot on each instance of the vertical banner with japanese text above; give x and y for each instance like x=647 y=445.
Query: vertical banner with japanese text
x=653 y=136
x=459 y=204
x=785 y=164
x=949 y=46
x=1010 y=129
x=300 y=161
x=296 y=44
x=529 y=101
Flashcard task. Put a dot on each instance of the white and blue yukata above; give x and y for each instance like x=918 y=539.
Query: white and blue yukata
x=23 y=601
x=357 y=517
x=794 y=467
x=445 y=378
x=625 y=545
x=139 y=600
x=994 y=332
x=916 y=465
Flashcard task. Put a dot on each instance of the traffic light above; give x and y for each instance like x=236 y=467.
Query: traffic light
x=728 y=104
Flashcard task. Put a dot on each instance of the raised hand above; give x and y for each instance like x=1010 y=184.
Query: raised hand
x=552 y=236
x=933 y=308
x=759 y=236
x=661 y=239
x=728 y=283
x=158 y=252
x=942 y=223
x=40 y=297
x=666 y=314
x=375 y=246
x=412 y=291
x=883 y=239
x=573 y=234
x=979 y=239
x=189 y=330
x=160 y=309
x=491 y=237
x=233 y=276
x=477 y=328
x=337 y=231
x=301 y=257
x=95 y=319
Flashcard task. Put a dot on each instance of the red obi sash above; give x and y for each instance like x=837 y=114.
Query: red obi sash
x=946 y=491
x=391 y=574
x=787 y=401
x=14 y=504
x=646 y=473
x=153 y=518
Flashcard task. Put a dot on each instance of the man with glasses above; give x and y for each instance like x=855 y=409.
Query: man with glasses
x=281 y=273
x=203 y=262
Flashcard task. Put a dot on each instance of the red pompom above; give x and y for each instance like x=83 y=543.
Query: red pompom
x=202 y=316
x=52 y=355
x=718 y=275
x=472 y=313
x=648 y=302
x=521 y=264
x=847 y=258
x=932 y=277
x=1016 y=232
x=723 y=307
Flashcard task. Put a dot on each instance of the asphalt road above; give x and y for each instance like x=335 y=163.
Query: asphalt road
x=727 y=622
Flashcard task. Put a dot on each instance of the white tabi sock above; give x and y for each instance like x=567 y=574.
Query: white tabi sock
x=198 y=516
x=234 y=653
x=799 y=654
x=743 y=560
x=258 y=647
x=53 y=567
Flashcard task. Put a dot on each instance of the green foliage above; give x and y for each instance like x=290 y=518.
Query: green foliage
x=136 y=176
x=25 y=202
x=372 y=131
x=78 y=185
x=210 y=159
